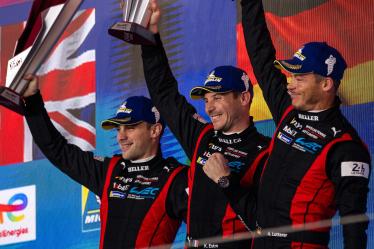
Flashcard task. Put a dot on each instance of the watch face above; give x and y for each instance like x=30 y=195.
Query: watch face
x=223 y=182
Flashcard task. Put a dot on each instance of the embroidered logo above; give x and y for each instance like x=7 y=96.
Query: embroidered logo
x=331 y=61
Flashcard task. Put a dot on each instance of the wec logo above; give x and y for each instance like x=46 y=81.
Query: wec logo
x=311 y=146
x=146 y=193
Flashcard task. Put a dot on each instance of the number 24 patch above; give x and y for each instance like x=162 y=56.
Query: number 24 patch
x=355 y=169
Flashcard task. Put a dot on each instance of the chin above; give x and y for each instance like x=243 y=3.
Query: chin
x=217 y=127
x=297 y=105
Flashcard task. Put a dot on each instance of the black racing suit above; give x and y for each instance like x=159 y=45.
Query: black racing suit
x=142 y=203
x=317 y=163
x=209 y=213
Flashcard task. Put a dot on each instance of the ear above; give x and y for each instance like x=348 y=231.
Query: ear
x=245 y=98
x=328 y=84
x=156 y=130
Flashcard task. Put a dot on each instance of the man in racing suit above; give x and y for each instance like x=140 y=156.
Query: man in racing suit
x=231 y=137
x=142 y=195
x=317 y=163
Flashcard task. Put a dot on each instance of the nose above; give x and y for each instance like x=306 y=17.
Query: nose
x=209 y=107
x=122 y=132
x=291 y=84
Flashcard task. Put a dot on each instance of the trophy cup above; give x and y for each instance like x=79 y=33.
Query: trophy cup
x=29 y=61
x=136 y=16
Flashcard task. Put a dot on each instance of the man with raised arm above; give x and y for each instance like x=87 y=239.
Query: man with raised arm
x=230 y=138
x=143 y=198
x=317 y=164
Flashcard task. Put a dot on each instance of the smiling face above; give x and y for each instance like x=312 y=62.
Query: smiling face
x=226 y=111
x=138 y=141
x=306 y=92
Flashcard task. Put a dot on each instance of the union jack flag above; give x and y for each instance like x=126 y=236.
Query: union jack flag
x=67 y=83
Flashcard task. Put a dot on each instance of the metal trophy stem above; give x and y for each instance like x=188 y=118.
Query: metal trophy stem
x=11 y=97
x=136 y=16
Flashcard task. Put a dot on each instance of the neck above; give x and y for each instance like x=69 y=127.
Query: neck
x=143 y=160
x=239 y=127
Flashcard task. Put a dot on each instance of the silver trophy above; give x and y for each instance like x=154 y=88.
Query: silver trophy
x=136 y=15
x=28 y=62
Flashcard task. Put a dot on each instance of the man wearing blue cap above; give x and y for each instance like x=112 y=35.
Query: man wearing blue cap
x=317 y=163
x=230 y=138
x=143 y=198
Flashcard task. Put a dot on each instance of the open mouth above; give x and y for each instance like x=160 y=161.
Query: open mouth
x=125 y=145
x=215 y=117
x=292 y=94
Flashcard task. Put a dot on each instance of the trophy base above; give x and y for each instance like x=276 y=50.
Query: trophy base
x=132 y=33
x=11 y=100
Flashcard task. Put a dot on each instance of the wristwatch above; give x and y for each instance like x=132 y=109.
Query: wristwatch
x=223 y=181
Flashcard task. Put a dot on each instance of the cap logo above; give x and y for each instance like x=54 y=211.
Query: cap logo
x=245 y=79
x=124 y=109
x=299 y=54
x=331 y=61
x=157 y=114
x=212 y=77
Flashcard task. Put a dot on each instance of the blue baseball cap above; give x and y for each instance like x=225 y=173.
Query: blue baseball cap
x=134 y=110
x=224 y=79
x=315 y=57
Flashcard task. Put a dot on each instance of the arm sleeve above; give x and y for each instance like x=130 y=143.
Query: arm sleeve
x=176 y=202
x=70 y=159
x=349 y=169
x=261 y=53
x=242 y=200
x=163 y=89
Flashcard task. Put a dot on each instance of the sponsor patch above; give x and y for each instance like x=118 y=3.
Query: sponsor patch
x=235 y=166
x=117 y=194
x=296 y=124
x=143 y=193
x=289 y=130
x=307 y=145
x=215 y=147
x=138 y=168
x=201 y=161
x=308 y=117
x=120 y=186
x=230 y=141
x=315 y=131
x=355 y=169
x=145 y=180
x=284 y=138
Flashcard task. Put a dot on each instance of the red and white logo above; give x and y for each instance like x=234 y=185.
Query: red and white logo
x=17 y=215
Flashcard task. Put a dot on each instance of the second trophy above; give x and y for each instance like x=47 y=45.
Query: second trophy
x=136 y=17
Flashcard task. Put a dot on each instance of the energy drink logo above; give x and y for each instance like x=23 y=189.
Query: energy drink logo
x=17 y=215
x=90 y=211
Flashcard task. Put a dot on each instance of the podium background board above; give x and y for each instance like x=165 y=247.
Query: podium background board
x=90 y=73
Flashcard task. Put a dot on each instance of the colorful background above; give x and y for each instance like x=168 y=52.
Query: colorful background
x=89 y=74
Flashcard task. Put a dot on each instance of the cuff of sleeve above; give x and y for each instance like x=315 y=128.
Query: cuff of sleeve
x=232 y=190
x=150 y=50
x=34 y=103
